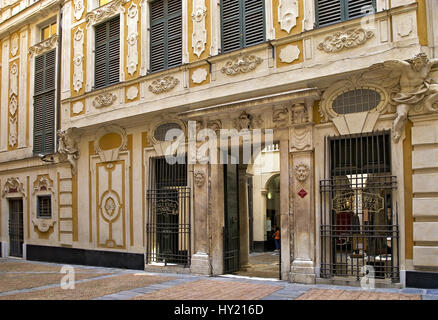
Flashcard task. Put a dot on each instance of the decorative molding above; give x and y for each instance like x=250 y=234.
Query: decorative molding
x=13 y=105
x=14 y=45
x=13 y=134
x=300 y=138
x=44 y=46
x=247 y=121
x=241 y=64
x=302 y=172
x=111 y=154
x=78 y=59
x=199 y=75
x=132 y=92
x=13 y=80
x=78 y=107
x=68 y=146
x=78 y=9
x=43 y=183
x=104 y=100
x=132 y=40
x=104 y=12
x=300 y=114
x=287 y=14
x=43 y=225
x=280 y=116
x=199 y=35
x=163 y=84
x=13 y=185
x=289 y=54
x=345 y=39
x=199 y=178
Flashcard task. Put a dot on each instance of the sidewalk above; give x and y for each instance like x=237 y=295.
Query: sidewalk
x=23 y=280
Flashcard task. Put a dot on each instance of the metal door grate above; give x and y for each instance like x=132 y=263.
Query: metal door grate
x=359 y=220
x=16 y=228
x=168 y=215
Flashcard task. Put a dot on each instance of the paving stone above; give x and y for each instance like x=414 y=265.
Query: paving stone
x=430 y=297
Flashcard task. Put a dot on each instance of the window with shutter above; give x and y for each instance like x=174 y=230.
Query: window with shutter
x=329 y=11
x=165 y=34
x=44 y=103
x=242 y=23
x=44 y=209
x=107 y=53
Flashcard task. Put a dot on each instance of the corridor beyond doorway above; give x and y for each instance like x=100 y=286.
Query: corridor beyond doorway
x=262 y=265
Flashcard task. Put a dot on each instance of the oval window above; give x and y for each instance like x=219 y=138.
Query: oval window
x=359 y=100
x=163 y=129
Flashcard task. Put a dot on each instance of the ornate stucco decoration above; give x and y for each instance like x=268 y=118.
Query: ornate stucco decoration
x=13 y=105
x=78 y=107
x=132 y=92
x=104 y=100
x=410 y=86
x=14 y=45
x=215 y=125
x=199 y=178
x=12 y=186
x=300 y=114
x=106 y=11
x=78 y=9
x=163 y=84
x=302 y=172
x=13 y=131
x=44 y=46
x=345 y=39
x=199 y=75
x=132 y=40
x=43 y=185
x=68 y=146
x=289 y=54
x=280 y=116
x=247 y=121
x=78 y=59
x=199 y=35
x=112 y=154
x=13 y=78
x=241 y=64
x=287 y=14
x=301 y=138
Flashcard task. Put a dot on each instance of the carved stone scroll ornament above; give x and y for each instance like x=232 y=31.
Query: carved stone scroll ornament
x=199 y=178
x=163 y=84
x=345 y=39
x=288 y=14
x=105 y=11
x=104 y=100
x=132 y=39
x=44 y=46
x=199 y=35
x=68 y=146
x=241 y=64
x=13 y=185
x=410 y=85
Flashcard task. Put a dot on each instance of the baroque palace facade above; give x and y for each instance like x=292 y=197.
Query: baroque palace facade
x=89 y=89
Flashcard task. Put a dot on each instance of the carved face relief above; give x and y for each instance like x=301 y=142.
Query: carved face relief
x=199 y=178
x=302 y=172
x=299 y=114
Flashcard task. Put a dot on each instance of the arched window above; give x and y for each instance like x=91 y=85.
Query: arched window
x=358 y=100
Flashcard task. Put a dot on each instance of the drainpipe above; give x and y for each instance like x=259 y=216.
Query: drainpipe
x=58 y=78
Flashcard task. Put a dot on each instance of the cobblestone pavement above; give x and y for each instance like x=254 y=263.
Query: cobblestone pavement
x=21 y=279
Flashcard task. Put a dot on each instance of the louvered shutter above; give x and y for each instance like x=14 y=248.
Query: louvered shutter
x=165 y=34
x=328 y=12
x=358 y=8
x=242 y=23
x=44 y=103
x=107 y=53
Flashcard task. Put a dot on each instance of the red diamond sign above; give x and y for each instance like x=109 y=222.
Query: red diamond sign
x=302 y=193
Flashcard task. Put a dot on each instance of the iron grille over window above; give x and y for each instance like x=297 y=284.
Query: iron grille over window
x=44 y=104
x=359 y=221
x=107 y=53
x=358 y=100
x=168 y=216
x=165 y=34
x=332 y=11
x=243 y=23
x=44 y=207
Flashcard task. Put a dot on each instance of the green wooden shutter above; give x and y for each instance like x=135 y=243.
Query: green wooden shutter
x=165 y=34
x=358 y=8
x=329 y=11
x=242 y=23
x=44 y=103
x=107 y=53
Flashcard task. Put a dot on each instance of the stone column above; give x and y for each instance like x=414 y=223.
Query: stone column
x=284 y=210
x=243 y=217
x=302 y=187
x=200 y=260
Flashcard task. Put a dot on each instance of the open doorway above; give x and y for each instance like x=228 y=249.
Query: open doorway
x=260 y=189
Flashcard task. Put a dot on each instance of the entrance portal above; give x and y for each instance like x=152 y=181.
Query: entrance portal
x=16 y=228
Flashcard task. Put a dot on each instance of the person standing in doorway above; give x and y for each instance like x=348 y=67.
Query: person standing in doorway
x=277 y=239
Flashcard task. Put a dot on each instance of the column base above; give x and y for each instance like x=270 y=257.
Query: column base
x=200 y=264
x=302 y=271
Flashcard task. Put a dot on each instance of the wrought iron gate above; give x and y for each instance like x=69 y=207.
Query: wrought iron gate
x=232 y=225
x=359 y=220
x=168 y=214
x=16 y=228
